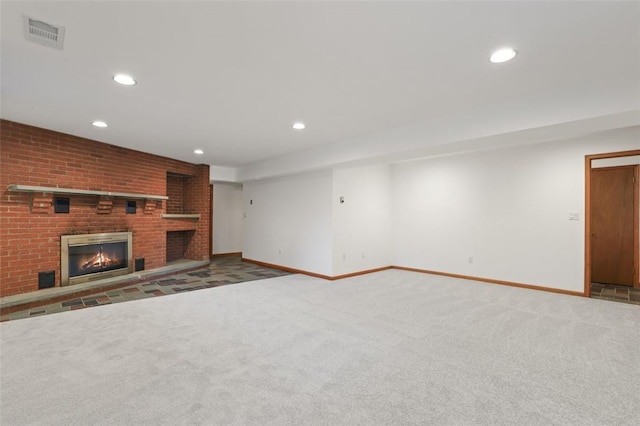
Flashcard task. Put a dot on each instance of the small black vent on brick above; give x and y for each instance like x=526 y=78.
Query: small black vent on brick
x=140 y=264
x=46 y=279
x=61 y=205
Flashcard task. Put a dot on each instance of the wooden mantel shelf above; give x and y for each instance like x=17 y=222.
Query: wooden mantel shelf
x=181 y=216
x=70 y=191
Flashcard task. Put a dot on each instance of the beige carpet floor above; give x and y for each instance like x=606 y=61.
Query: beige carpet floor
x=393 y=347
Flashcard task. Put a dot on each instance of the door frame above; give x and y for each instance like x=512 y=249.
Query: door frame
x=587 y=222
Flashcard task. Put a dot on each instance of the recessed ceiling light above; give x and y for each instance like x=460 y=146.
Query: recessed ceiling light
x=125 y=80
x=298 y=126
x=99 y=123
x=198 y=152
x=503 y=55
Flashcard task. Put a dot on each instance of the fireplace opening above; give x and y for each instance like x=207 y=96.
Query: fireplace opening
x=178 y=244
x=95 y=256
x=92 y=258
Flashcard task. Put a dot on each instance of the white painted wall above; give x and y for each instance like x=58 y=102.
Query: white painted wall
x=508 y=209
x=223 y=174
x=361 y=225
x=298 y=221
x=227 y=218
x=288 y=221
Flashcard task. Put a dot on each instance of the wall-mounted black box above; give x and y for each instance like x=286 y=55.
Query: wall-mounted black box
x=60 y=205
x=140 y=264
x=131 y=207
x=46 y=279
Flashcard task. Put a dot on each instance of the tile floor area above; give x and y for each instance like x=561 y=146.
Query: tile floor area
x=617 y=293
x=221 y=271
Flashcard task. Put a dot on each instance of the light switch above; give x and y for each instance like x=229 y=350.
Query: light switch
x=574 y=216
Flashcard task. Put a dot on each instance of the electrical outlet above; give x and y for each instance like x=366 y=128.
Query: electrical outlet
x=470 y=259
x=363 y=255
x=279 y=251
x=344 y=256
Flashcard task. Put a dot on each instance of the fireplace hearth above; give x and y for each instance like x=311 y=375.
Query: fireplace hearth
x=90 y=257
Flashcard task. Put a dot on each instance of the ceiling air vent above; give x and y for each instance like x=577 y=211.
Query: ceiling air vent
x=43 y=33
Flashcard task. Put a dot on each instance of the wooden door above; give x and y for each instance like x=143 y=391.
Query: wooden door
x=612 y=225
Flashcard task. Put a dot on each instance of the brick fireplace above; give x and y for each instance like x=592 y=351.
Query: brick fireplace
x=56 y=185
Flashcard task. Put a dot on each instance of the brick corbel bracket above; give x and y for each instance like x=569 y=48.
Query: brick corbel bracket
x=42 y=202
x=105 y=205
x=149 y=206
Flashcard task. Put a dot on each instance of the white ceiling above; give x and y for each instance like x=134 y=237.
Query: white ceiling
x=231 y=77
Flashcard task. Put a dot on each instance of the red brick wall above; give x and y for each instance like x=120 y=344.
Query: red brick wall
x=199 y=198
x=30 y=231
x=175 y=245
x=175 y=192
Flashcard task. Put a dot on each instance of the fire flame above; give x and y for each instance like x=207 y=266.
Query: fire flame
x=98 y=261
